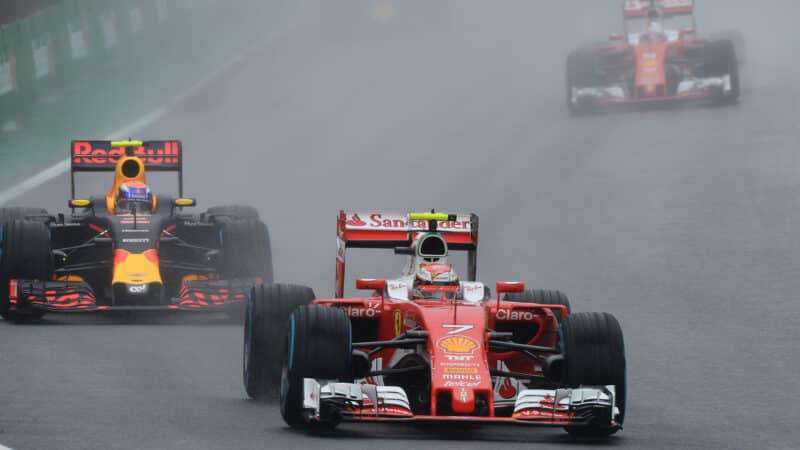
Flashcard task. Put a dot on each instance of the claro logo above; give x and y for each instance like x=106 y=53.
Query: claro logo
x=521 y=316
x=98 y=154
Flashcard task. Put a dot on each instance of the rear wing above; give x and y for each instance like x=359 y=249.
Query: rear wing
x=639 y=8
x=102 y=156
x=387 y=230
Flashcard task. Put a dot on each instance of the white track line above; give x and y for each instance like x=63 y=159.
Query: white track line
x=132 y=128
x=3 y=447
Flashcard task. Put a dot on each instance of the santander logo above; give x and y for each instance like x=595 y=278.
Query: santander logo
x=507 y=389
x=356 y=221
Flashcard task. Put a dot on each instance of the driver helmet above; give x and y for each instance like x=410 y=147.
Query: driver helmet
x=654 y=25
x=655 y=28
x=134 y=193
x=435 y=281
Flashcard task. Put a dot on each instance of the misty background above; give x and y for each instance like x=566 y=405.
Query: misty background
x=682 y=222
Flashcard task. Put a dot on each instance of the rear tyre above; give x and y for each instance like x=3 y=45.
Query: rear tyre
x=265 y=330
x=594 y=354
x=246 y=250
x=26 y=254
x=720 y=60
x=542 y=297
x=235 y=212
x=580 y=74
x=318 y=345
x=10 y=214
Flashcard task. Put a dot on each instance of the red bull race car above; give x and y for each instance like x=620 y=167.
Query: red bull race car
x=130 y=249
x=659 y=59
x=431 y=346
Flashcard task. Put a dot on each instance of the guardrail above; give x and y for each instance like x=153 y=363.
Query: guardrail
x=88 y=68
x=67 y=43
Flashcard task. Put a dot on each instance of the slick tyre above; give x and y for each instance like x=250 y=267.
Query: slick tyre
x=318 y=345
x=265 y=329
x=594 y=355
x=542 y=297
x=26 y=254
x=246 y=250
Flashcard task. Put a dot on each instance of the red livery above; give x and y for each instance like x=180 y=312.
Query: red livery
x=659 y=59
x=431 y=346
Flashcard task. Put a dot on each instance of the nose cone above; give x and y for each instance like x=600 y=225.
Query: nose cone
x=463 y=401
x=460 y=374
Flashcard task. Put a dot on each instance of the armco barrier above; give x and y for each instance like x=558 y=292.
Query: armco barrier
x=9 y=85
x=53 y=46
x=89 y=67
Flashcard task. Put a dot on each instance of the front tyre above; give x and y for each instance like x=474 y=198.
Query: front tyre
x=26 y=254
x=318 y=345
x=580 y=73
x=594 y=355
x=720 y=61
x=266 y=318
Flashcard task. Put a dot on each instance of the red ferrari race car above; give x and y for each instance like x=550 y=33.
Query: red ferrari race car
x=130 y=249
x=431 y=346
x=659 y=59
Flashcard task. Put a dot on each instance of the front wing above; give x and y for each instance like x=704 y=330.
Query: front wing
x=76 y=297
x=577 y=407
x=688 y=90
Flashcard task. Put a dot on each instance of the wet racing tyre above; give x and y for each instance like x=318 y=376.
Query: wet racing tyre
x=235 y=212
x=580 y=73
x=265 y=329
x=542 y=297
x=594 y=355
x=10 y=214
x=720 y=60
x=26 y=254
x=318 y=345
x=245 y=250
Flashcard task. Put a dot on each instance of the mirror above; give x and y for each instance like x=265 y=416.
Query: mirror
x=510 y=286
x=80 y=203
x=371 y=284
x=185 y=202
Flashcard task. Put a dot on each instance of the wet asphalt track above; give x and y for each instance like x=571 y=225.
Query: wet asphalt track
x=683 y=223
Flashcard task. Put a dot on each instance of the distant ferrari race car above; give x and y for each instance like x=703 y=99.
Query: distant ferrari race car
x=429 y=346
x=659 y=59
x=130 y=249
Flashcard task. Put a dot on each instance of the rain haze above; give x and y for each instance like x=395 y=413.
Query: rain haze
x=680 y=221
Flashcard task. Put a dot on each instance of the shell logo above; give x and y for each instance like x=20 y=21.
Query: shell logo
x=458 y=344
